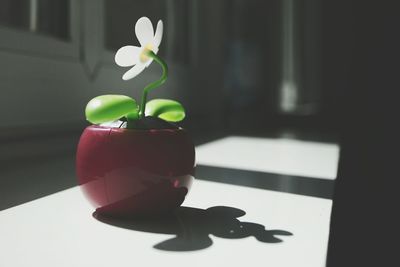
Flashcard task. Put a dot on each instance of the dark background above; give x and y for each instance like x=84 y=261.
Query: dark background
x=234 y=64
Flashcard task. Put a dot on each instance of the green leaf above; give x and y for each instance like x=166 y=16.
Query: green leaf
x=165 y=109
x=106 y=108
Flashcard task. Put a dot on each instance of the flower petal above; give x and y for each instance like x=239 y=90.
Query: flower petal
x=127 y=56
x=159 y=33
x=148 y=62
x=144 y=31
x=133 y=72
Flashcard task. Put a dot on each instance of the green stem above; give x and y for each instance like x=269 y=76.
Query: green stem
x=155 y=84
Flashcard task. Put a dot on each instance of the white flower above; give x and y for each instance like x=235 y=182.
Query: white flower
x=129 y=55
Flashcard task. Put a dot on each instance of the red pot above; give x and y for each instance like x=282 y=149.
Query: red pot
x=128 y=172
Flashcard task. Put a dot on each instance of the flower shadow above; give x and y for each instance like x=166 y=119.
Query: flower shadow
x=192 y=227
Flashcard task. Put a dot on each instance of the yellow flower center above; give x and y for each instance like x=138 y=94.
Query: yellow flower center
x=143 y=56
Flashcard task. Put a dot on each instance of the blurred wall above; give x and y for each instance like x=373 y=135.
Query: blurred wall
x=47 y=80
x=234 y=64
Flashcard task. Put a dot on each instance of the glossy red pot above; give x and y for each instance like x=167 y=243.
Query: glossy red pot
x=128 y=172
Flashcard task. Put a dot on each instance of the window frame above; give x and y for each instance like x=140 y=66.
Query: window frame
x=43 y=45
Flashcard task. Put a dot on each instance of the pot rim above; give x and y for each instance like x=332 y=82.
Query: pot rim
x=137 y=130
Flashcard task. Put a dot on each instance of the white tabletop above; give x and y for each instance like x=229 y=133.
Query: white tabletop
x=278 y=155
x=59 y=230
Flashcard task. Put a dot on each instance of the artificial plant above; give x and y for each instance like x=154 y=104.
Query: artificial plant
x=108 y=108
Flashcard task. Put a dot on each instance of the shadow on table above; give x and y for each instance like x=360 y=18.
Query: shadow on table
x=192 y=227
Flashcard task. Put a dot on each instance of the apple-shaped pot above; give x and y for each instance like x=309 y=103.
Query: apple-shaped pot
x=135 y=172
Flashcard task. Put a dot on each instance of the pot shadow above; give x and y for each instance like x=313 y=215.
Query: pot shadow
x=192 y=227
